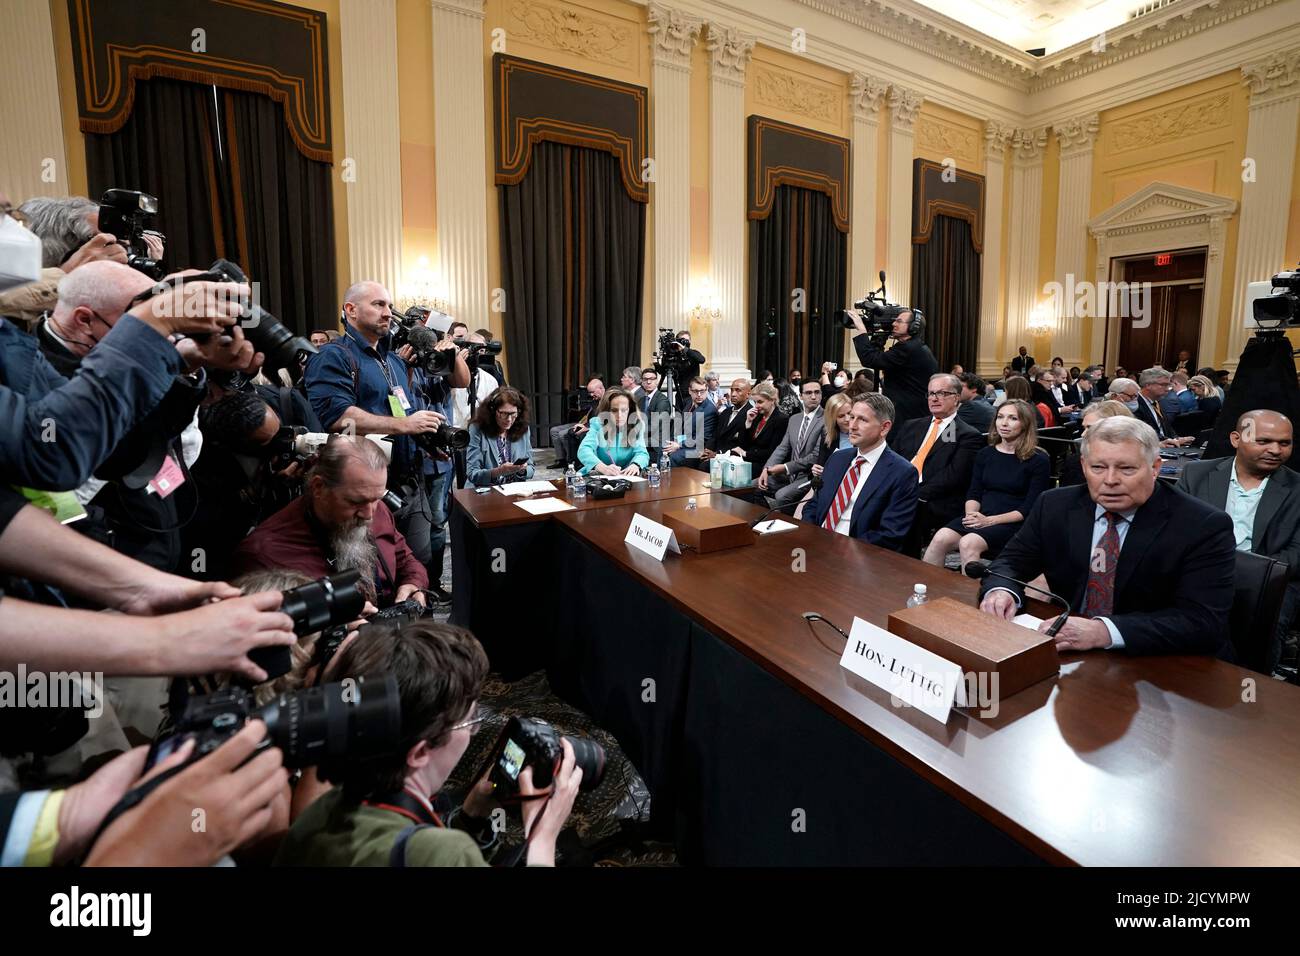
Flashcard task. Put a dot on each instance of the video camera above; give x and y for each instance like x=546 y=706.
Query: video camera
x=532 y=742
x=669 y=351
x=1281 y=307
x=294 y=443
x=128 y=214
x=411 y=328
x=876 y=313
x=482 y=353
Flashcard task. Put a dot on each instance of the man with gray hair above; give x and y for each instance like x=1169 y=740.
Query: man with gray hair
x=1145 y=568
x=1153 y=385
x=340 y=524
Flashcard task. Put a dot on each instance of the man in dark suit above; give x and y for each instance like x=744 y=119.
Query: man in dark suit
x=658 y=411
x=797 y=452
x=699 y=423
x=1023 y=362
x=974 y=410
x=868 y=491
x=764 y=428
x=907 y=366
x=731 y=420
x=942 y=449
x=1153 y=384
x=1261 y=496
x=1145 y=568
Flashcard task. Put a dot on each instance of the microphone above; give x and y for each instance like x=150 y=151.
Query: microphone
x=815 y=482
x=980 y=570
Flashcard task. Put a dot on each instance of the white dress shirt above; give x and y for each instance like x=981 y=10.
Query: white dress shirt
x=846 y=519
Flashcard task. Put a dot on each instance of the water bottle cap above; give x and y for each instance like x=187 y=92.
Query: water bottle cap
x=919 y=589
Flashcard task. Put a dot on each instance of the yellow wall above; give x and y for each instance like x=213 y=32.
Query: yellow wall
x=793 y=89
x=942 y=134
x=75 y=141
x=1193 y=136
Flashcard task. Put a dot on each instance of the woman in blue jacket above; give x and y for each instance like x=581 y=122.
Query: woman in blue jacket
x=615 y=444
x=499 y=438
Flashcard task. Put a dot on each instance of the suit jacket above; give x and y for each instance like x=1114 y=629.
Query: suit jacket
x=907 y=369
x=657 y=411
x=886 y=505
x=1022 y=364
x=1072 y=395
x=946 y=474
x=1174 y=582
x=1144 y=414
x=699 y=426
x=1276 y=533
x=731 y=423
x=759 y=447
x=483 y=454
x=798 y=457
x=978 y=414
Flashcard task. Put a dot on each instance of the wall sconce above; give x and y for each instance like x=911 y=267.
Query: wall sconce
x=705 y=311
x=1040 y=320
x=424 y=287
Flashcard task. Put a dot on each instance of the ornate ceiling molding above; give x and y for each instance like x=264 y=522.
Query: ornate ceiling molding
x=1077 y=133
x=592 y=37
x=996 y=137
x=1274 y=77
x=904 y=105
x=1027 y=144
x=673 y=34
x=797 y=94
x=866 y=93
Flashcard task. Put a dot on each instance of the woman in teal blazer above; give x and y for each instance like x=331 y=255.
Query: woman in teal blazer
x=615 y=443
x=498 y=438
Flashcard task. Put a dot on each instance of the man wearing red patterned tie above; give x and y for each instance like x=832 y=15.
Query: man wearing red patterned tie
x=868 y=491
x=1145 y=568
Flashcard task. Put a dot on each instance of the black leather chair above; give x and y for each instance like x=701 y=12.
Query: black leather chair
x=1260 y=585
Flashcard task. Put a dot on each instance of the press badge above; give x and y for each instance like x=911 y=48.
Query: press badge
x=398 y=403
x=62 y=504
x=169 y=478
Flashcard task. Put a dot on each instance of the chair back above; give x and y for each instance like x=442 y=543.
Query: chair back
x=1259 y=584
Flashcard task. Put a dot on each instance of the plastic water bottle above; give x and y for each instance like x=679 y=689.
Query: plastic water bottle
x=715 y=473
x=690 y=504
x=570 y=479
x=918 y=596
x=665 y=464
x=654 y=476
x=579 y=488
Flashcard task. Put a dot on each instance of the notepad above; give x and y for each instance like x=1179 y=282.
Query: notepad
x=775 y=526
x=543 y=506
x=526 y=488
x=1027 y=620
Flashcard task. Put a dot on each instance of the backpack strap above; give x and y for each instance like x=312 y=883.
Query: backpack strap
x=397 y=855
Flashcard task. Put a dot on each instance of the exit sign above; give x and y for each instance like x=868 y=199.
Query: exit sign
x=1164 y=259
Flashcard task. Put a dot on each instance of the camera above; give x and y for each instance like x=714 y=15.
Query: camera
x=294 y=443
x=482 y=353
x=446 y=438
x=410 y=329
x=327 y=602
x=332 y=638
x=1281 y=306
x=532 y=742
x=128 y=214
x=324 y=727
x=875 y=311
x=669 y=352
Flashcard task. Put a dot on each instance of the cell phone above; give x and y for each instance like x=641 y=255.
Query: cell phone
x=521 y=461
x=834 y=366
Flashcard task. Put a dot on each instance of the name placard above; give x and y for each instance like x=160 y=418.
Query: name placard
x=912 y=674
x=651 y=537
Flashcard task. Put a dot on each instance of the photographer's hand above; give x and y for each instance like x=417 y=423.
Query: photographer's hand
x=162 y=593
x=415 y=423
x=230 y=352
x=407 y=354
x=410 y=591
x=193 y=308
x=237 y=800
x=103 y=246
x=216 y=638
x=543 y=819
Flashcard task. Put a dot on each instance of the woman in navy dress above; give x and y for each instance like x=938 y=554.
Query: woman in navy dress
x=1010 y=474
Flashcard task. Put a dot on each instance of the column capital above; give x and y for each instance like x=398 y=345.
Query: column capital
x=672 y=34
x=471 y=8
x=996 y=137
x=1077 y=134
x=866 y=93
x=1274 y=77
x=730 y=50
x=1027 y=144
x=904 y=104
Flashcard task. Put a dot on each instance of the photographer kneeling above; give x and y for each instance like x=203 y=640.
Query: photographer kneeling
x=393 y=802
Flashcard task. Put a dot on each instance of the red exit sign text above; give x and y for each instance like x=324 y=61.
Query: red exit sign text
x=1165 y=259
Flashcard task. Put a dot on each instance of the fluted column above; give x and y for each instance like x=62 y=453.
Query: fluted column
x=461 y=156
x=904 y=104
x=866 y=94
x=672 y=37
x=1076 y=138
x=1022 y=241
x=371 y=140
x=1270 y=142
x=988 y=361
x=729 y=51
x=33 y=160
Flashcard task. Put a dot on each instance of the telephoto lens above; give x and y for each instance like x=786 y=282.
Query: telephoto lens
x=446 y=438
x=313 y=607
x=283 y=349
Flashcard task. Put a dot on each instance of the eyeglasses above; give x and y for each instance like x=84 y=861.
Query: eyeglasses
x=507 y=414
x=12 y=211
x=472 y=722
x=940 y=394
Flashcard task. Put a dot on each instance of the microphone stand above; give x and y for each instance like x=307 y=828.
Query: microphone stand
x=983 y=570
x=813 y=482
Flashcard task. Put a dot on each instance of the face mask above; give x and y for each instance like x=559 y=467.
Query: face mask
x=20 y=255
x=841 y=381
x=1131 y=406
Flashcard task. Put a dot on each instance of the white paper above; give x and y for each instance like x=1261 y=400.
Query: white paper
x=526 y=488
x=651 y=537
x=1027 y=620
x=774 y=526
x=543 y=506
x=914 y=675
x=635 y=479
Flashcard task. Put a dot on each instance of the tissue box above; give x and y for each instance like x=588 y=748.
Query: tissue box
x=740 y=474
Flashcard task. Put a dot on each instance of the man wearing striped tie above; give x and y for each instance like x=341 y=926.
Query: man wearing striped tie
x=868 y=491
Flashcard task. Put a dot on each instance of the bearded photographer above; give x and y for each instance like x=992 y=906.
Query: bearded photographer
x=390 y=811
x=907 y=366
x=340 y=524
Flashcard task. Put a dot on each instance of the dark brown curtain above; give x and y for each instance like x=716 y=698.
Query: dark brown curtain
x=946 y=287
x=797 y=247
x=573 y=266
x=230 y=184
